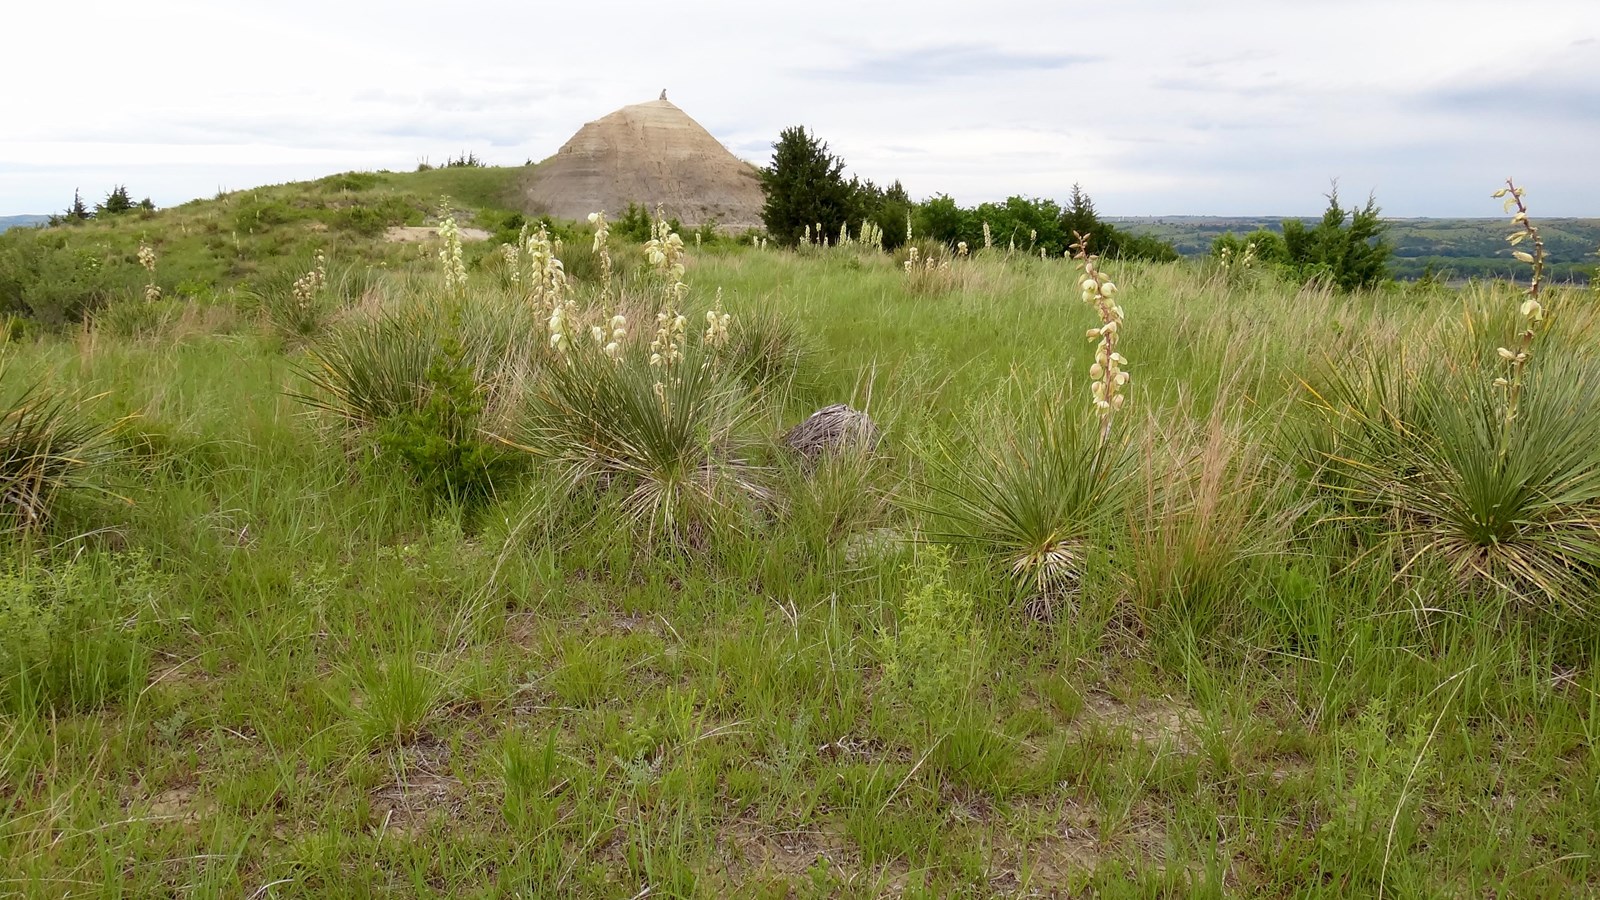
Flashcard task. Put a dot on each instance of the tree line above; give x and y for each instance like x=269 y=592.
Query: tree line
x=807 y=193
x=117 y=202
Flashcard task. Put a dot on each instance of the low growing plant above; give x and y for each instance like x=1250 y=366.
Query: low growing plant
x=932 y=658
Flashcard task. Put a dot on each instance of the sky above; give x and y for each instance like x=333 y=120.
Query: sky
x=1157 y=108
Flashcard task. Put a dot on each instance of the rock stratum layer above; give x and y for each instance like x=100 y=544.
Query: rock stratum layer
x=652 y=154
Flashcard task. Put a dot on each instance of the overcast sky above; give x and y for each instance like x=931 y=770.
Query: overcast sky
x=1227 y=108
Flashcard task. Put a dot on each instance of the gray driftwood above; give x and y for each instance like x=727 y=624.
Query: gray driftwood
x=830 y=430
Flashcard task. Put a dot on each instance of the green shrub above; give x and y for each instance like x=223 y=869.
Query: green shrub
x=438 y=441
x=258 y=214
x=349 y=181
x=48 y=280
x=361 y=219
x=932 y=659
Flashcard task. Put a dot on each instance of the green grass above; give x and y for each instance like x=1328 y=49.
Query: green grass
x=268 y=665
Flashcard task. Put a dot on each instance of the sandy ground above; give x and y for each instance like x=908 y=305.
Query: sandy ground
x=414 y=234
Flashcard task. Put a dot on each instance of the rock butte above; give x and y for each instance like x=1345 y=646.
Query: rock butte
x=652 y=154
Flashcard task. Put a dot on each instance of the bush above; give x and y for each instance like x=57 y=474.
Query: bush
x=438 y=441
x=934 y=655
x=349 y=181
x=44 y=279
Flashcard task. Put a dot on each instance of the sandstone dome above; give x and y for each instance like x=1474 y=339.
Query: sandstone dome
x=652 y=154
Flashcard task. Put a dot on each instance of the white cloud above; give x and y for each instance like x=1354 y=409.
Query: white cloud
x=1241 y=107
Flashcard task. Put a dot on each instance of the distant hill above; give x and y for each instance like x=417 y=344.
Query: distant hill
x=1460 y=248
x=21 y=221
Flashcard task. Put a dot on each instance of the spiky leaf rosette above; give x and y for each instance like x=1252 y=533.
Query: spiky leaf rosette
x=1504 y=505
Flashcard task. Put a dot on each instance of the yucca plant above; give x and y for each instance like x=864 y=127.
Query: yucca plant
x=371 y=370
x=1505 y=504
x=1037 y=501
x=773 y=351
x=47 y=446
x=670 y=436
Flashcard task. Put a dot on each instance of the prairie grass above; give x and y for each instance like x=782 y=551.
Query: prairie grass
x=276 y=672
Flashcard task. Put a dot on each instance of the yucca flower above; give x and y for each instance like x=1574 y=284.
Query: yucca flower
x=618 y=333
x=988 y=239
x=717 y=321
x=664 y=250
x=1107 y=373
x=667 y=348
x=147 y=258
x=455 y=270
x=1532 y=306
x=309 y=285
x=961 y=248
x=513 y=265
x=602 y=252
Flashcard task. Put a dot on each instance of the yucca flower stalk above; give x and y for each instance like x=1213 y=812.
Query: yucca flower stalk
x=1107 y=375
x=602 y=251
x=513 y=260
x=309 y=286
x=147 y=259
x=455 y=270
x=717 y=322
x=961 y=249
x=1532 y=308
x=988 y=239
x=547 y=277
x=664 y=250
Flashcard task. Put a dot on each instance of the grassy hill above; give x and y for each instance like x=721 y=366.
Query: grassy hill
x=1455 y=248
x=212 y=245
x=359 y=579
